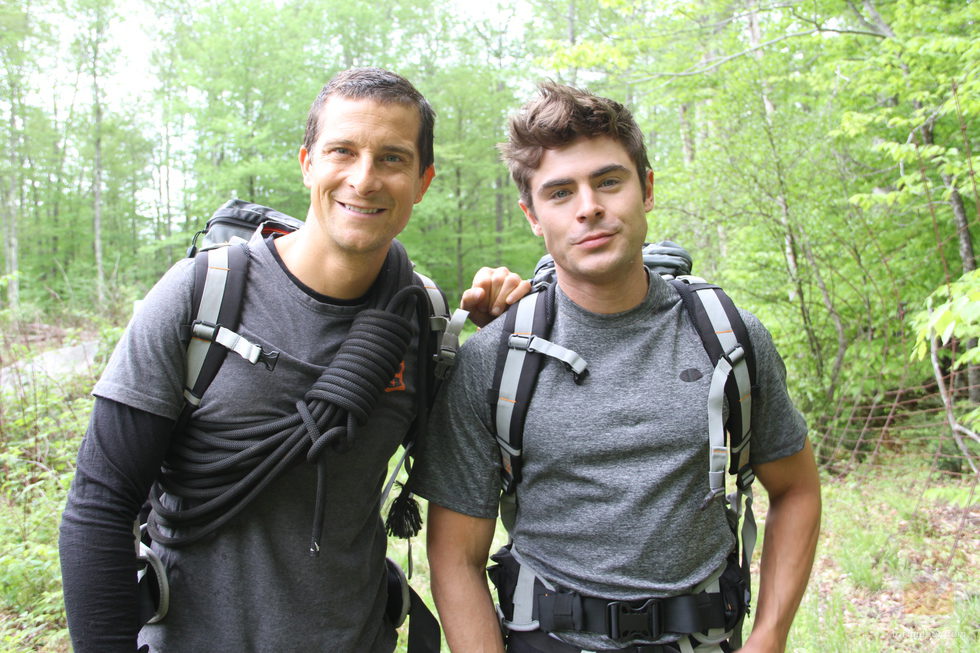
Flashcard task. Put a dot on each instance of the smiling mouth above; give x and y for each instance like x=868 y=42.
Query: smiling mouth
x=360 y=209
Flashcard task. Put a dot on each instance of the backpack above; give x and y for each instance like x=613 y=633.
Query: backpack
x=220 y=269
x=524 y=345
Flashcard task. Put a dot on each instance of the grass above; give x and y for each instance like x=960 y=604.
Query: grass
x=896 y=569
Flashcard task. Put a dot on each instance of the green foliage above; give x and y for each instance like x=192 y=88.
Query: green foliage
x=39 y=435
x=952 y=311
x=807 y=155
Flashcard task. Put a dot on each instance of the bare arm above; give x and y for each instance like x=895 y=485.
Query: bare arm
x=458 y=546
x=493 y=290
x=792 y=527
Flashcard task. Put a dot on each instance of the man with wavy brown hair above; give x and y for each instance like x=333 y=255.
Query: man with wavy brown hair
x=614 y=547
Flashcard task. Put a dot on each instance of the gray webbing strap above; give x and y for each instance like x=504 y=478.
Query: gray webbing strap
x=538 y=345
x=523 y=618
x=734 y=364
x=228 y=339
x=726 y=336
x=718 y=452
x=511 y=375
x=522 y=342
x=749 y=531
x=214 y=290
x=445 y=329
x=449 y=343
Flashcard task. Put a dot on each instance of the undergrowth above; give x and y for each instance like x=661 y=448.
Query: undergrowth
x=895 y=570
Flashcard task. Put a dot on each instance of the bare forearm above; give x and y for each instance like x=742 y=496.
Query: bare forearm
x=466 y=610
x=792 y=529
x=458 y=546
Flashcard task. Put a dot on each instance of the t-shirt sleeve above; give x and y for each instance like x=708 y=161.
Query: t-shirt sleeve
x=778 y=428
x=458 y=466
x=146 y=369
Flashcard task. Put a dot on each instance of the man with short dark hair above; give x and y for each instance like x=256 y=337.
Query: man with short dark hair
x=259 y=582
x=616 y=542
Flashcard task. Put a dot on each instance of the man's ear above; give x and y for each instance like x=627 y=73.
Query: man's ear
x=304 y=166
x=531 y=218
x=427 y=175
x=648 y=200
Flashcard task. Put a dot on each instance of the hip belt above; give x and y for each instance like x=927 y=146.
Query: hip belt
x=528 y=603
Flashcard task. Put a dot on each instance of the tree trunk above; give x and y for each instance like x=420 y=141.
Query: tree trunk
x=97 y=187
x=790 y=246
x=8 y=202
x=499 y=212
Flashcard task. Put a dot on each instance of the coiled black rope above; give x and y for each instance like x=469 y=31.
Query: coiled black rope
x=219 y=469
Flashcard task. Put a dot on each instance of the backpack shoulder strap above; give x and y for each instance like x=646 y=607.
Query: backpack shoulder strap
x=727 y=343
x=219 y=286
x=521 y=351
x=445 y=329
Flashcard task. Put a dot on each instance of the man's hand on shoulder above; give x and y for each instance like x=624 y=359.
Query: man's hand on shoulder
x=493 y=290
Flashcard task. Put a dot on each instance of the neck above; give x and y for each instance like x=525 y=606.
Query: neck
x=337 y=274
x=607 y=297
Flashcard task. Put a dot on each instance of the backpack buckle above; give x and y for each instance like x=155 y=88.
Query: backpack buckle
x=734 y=355
x=627 y=620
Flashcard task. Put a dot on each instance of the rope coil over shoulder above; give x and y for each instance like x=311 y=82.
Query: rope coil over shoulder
x=218 y=469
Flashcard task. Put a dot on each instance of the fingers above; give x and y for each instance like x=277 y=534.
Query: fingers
x=493 y=290
x=473 y=299
x=520 y=289
x=502 y=288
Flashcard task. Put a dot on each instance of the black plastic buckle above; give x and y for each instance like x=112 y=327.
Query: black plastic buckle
x=268 y=358
x=628 y=621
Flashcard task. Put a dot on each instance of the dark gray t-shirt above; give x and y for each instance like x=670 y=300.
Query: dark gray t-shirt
x=614 y=469
x=252 y=586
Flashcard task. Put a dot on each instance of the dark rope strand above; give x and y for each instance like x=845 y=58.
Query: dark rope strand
x=227 y=466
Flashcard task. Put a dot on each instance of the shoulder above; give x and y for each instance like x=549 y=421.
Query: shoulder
x=169 y=298
x=482 y=346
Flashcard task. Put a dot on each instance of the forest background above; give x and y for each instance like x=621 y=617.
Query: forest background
x=815 y=156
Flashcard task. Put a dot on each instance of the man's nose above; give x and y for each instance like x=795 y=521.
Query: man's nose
x=589 y=207
x=364 y=178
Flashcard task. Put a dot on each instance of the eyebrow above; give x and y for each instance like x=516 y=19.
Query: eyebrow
x=408 y=152
x=595 y=174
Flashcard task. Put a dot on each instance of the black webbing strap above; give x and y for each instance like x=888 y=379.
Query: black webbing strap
x=644 y=619
x=423 y=630
x=542 y=642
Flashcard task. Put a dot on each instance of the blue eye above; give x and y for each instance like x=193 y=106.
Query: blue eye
x=560 y=194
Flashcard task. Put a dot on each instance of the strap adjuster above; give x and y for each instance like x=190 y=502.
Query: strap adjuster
x=234 y=342
x=627 y=620
x=734 y=355
x=520 y=341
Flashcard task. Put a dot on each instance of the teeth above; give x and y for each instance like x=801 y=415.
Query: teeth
x=357 y=209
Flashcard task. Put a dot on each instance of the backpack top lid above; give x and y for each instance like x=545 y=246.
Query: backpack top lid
x=665 y=258
x=238 y=218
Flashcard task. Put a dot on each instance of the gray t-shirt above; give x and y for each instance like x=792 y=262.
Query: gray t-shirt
x=252 y=586
x=614 y=469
